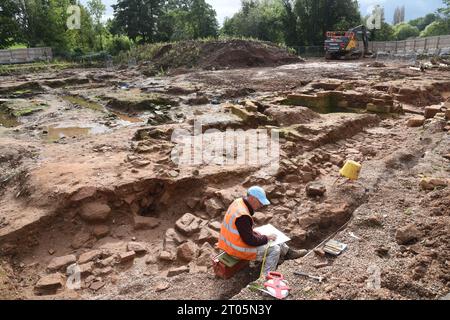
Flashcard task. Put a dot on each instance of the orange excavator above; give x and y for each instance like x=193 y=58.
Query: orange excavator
x=351 y=44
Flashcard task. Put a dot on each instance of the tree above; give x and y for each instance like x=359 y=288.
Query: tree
x=160 y=20
x=257 y=19
x=139 y=18
x=422 y=22
x=187 y=19
x=203 y=19
x=446 y=10
x=316 y=17
x=289 y=21
x=437 y=28
x=445 y=14
x=386 y=32
x=33 y=17
x=404 y=31
x=9 y=26
x=294 y=22
x=97 y=9
x=83 y=40
x=434 y=24
x=43 y=22
x=116 y=44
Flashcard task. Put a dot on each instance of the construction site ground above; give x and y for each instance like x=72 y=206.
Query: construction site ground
x=87 y=179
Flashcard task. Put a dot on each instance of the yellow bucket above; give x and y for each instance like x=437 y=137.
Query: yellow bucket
x=351 y=170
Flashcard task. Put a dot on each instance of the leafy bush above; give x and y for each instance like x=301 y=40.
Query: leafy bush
x=117 y=44
x=403 y=31
x=437 y=28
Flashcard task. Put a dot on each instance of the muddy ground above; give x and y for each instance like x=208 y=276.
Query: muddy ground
x=87 y=180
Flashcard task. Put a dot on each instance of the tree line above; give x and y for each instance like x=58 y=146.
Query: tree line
x=305 y=22
x=158 y=20
x=44 y=23
x=291 y=22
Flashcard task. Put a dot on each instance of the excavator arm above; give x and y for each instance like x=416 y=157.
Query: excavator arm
x=364 y=35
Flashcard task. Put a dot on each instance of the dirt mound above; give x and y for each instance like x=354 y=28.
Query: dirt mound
x=215 y=55
x=240 y=53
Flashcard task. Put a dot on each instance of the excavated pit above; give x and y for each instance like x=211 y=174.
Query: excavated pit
x=150 y=205
x=152 y=200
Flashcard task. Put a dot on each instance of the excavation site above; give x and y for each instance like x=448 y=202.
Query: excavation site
x=195 y=155
x=88 y=179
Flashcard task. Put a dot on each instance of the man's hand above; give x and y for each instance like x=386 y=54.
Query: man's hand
x=272 y=237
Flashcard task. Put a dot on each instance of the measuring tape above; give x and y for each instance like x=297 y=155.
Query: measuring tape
x=275 y=285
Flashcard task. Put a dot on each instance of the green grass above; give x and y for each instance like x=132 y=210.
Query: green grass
x=84 y=103
x=13 y=69
x=18 y=46
x=161 y=73
x=22 y=92
x=13 y=111
x=26 y=111
x=39 y=66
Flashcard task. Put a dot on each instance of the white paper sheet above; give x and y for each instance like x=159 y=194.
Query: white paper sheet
x=269 y=229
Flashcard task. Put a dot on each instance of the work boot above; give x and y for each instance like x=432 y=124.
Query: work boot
x=295 y=254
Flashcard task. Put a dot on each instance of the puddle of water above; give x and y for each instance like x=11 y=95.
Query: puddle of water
x=84 y=103
x=323 y=104
x=124 y=118
x=127 y=118
x=55 y=133
x=8 y=121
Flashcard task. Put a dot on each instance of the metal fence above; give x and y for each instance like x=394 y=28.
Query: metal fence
x=430 y=45
x=439 y=45
x=25 y=55
x=310 y=51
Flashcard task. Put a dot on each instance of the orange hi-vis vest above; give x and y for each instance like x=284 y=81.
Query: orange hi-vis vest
x=230 y=241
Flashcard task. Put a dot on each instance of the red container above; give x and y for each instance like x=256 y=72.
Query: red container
x=225 y=272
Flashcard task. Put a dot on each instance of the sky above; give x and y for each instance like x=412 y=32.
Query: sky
x=413 y=8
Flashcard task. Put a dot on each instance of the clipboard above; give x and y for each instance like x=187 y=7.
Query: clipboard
x=269 y=229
